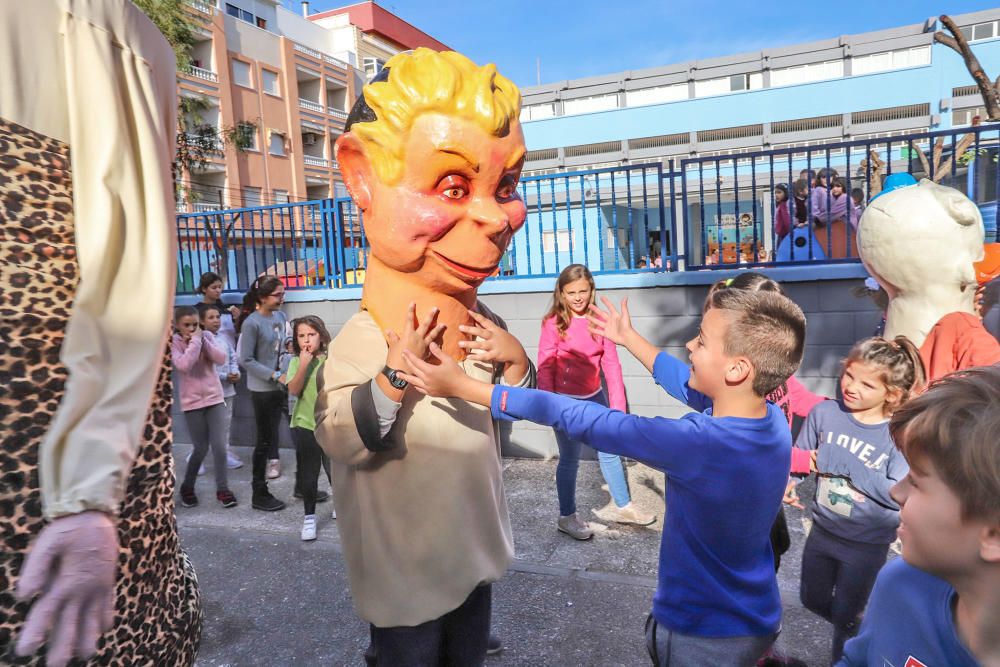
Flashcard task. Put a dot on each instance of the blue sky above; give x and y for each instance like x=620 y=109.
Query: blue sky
x=590 y=37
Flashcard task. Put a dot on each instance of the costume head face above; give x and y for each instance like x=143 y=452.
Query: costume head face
x=920 y=237
x=432 y=156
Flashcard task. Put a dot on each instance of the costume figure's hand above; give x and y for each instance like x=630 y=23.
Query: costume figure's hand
x=611 y=324
x=72 y=564
x=444 y=379
x=415 y=338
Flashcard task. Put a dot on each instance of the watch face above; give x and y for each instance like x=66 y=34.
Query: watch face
x=393 y=377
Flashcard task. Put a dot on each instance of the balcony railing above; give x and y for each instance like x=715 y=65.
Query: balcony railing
x=310 y=52
x=211 y=142
x=310 y=105
x=203 y=7
x=335 y=61
x=202 y=73
x=315 y=161
x=336 y=113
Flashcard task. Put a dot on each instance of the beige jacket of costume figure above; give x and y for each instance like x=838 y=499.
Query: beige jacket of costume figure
x=426 y=522
x=98 y=76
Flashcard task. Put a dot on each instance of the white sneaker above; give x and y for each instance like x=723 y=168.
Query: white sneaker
x=233 y=462
x=574 y=527
x=628 y=514
x=201 y=468
x=309 y=528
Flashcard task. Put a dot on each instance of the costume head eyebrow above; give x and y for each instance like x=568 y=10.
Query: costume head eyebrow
x=426 y=81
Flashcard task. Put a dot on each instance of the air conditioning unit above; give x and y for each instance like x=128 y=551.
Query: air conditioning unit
x=309 y=138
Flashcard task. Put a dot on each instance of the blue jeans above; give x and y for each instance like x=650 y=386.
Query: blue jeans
x=569 y=463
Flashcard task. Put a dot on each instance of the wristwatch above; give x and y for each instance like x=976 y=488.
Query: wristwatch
x=392 y=375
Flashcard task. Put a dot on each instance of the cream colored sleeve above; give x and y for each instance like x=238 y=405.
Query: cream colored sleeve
x=119 y=74
x=356 y=356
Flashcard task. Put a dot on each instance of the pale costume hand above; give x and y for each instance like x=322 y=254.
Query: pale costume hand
x=415 y=339
x=490 y=342
x=445 y=379
x=611 y=324
x=72 y=564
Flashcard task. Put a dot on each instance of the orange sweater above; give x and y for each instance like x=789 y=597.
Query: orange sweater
x=958 y=341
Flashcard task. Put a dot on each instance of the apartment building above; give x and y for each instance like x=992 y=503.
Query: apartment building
x=373 y=33
x=286 y=81
x=874 y=84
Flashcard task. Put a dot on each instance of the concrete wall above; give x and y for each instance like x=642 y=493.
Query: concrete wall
x=667 y=315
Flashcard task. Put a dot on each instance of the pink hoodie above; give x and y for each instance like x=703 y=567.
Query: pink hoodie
x=573 y=365
x=195 y=362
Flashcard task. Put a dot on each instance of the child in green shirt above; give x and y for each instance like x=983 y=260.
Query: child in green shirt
x=309 y=342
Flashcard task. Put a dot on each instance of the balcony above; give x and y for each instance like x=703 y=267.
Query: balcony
x=203 y=7
x=337 y=62
x=201 y=73
x=197 y=207
x=309 y=52
x=314 y=161
x=336 y=113
x=310 y=105
x=212 y=142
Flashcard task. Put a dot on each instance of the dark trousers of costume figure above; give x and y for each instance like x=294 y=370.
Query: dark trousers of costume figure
x=457 y=639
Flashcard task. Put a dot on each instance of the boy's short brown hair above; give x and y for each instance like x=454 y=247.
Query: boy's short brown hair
x=955 y=425
x=767 y=328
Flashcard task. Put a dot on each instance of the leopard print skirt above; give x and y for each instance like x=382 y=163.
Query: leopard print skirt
x=158 y=606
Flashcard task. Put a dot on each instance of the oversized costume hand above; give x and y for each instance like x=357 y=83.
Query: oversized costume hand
x=72 y=564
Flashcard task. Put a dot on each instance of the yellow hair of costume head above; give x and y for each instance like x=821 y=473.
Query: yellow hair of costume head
x=426 y=81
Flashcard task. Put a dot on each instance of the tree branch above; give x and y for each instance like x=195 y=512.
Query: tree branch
x=923 y=158
x=957 y=152
x=986 y=87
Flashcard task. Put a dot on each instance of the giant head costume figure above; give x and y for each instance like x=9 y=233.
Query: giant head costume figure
x=920 y=241
x=432 y=155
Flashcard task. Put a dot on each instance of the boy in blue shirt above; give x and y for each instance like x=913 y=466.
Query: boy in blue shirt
x=717 y=599
x=940 y=603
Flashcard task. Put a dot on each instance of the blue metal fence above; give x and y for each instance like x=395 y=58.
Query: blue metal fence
x=698 y=213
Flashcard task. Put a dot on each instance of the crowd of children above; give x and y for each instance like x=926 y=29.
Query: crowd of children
x=925 y=468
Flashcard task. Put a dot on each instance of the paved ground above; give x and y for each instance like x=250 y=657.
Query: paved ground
x=271 y=599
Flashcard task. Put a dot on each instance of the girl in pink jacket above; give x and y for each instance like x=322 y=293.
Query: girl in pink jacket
x=195 y=355
x=570 y=362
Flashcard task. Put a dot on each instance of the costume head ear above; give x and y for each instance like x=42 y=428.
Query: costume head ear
x=355 y=163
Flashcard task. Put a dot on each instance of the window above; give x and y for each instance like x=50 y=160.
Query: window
x=890 y=60
x=961 y=117
x=538 y=111
x=658 y=95
x=789 y=76
x=241 y=74
x=729 y=84
x=232 y=10
x=590 y=104
x=247 y=136
x=373 y=66
x=276 y=145
x=261 y=23
x=563 y=239
x=269 y=82
x=251 y=197
x=244 y=15
x=279 y=196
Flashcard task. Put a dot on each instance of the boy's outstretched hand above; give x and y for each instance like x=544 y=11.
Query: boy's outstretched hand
x=611 y=324
x=446 y=379
x=617 y=327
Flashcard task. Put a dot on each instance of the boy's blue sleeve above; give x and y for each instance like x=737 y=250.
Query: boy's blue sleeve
x=673 y=375
x=671 y=445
